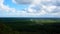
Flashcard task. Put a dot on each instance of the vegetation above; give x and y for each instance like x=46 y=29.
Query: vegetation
x=29 y=26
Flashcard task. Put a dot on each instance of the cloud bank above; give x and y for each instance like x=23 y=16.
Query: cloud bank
x=37 y=8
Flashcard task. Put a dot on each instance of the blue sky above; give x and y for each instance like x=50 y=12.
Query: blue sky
x=30 y=8
x=11 y=4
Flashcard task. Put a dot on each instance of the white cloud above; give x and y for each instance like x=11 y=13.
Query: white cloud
x=51 y=2
x=14 y=12
x=35 y=9
x=50 y=8
x=5 y=7
x=22 y=1
x=45 y=7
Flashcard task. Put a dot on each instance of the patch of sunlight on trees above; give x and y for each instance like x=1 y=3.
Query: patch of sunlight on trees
x=44 y=21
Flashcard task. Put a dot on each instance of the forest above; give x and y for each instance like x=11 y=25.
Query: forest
x=29 y=26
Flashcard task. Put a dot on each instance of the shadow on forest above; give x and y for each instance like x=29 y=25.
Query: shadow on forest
x=30 y=29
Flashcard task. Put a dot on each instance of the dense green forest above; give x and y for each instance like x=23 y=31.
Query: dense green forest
x=29 y=26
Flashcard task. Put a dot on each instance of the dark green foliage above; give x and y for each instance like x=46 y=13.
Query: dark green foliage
x=29 y=26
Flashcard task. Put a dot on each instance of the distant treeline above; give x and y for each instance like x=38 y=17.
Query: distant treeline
x=30 y=21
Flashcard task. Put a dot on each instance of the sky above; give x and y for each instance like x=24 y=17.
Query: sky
x=30 y=8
